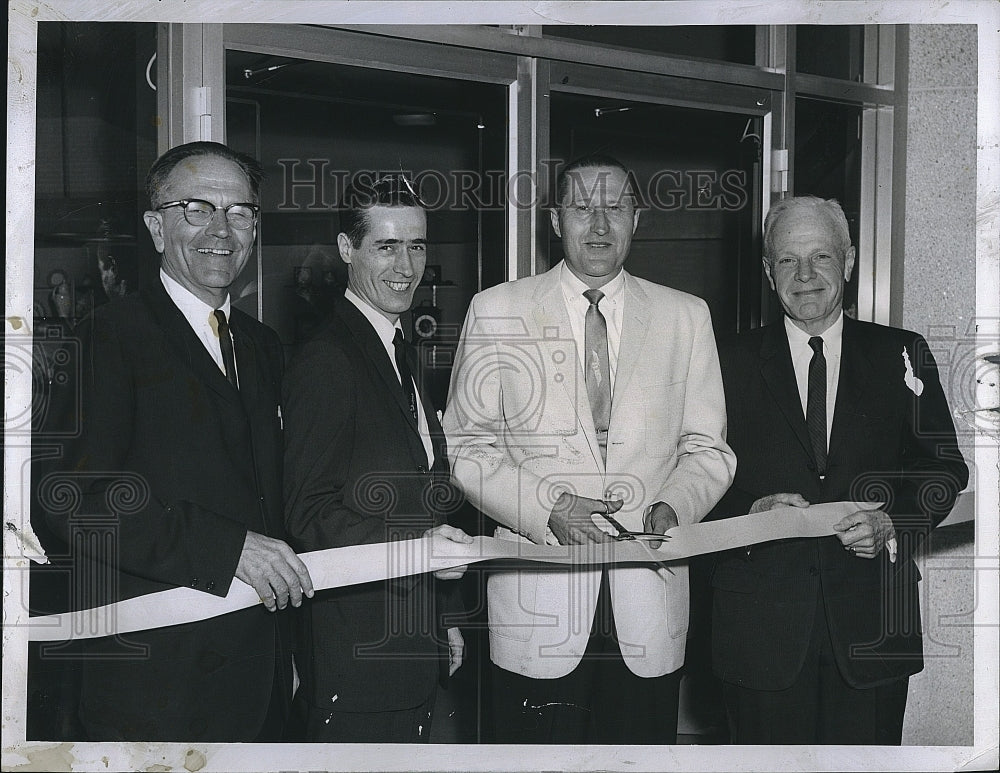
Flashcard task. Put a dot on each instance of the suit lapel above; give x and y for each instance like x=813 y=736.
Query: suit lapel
x=635 y=326
x=371 y=346
x=560 y=355
x=779 y=376
x=246 y=362
x=852 y=384
x=179 y=337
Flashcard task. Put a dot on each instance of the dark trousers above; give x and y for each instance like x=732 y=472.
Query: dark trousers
x=403 y=726
x=600 y=702
x=274 y=728
x=820 y=707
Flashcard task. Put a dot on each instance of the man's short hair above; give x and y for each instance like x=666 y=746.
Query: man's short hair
x=165 y=164
x=589 y=162
x=829 y=207
x=360 y=196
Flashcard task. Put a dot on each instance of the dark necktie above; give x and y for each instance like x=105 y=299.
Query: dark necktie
x=816 y=404
x=226 y=344
x=597 y=368
x=405 y=376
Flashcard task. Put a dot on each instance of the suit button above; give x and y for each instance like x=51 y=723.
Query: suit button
x=261 y=499
x=813 y=571
x=194 y=583
x=421 y=468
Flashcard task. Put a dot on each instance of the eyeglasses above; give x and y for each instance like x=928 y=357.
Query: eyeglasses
x=201 y=213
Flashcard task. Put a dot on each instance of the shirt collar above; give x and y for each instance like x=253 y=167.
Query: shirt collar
x=832 y=336
x=385 y=329
x=574 y=287
x=194 y=309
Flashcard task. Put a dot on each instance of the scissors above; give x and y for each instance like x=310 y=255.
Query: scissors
x=624 y=534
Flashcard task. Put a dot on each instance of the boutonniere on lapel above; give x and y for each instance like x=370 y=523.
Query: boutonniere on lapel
x=913 y=383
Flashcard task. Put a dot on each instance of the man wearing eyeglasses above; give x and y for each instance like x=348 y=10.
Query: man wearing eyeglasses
x=179 y=463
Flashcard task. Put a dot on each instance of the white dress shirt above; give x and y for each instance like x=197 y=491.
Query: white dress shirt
x=612 y=306
x=386 y=331
x=798 y=345
x=200 y=316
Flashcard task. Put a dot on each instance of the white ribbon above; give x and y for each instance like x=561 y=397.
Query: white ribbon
x=338 y=567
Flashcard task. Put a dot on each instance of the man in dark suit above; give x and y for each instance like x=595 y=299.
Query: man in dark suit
x=815 y=639
x=178 y=473
x=365 y=462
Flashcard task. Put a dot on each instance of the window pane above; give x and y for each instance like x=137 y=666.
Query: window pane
x=832 y=50
x=314 y=126
x=698 y=172
x=95 y=139
x=828 y=163
x=731 y=43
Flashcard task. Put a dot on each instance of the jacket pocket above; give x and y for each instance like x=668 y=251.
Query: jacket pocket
x=511 y=603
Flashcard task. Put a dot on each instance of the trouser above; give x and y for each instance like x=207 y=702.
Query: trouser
x=819 y=707
x=600 y=702
x=412 y=725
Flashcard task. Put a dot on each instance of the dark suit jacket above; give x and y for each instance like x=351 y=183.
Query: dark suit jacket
x=355 y=473
x=185 y=465
x=886 y=444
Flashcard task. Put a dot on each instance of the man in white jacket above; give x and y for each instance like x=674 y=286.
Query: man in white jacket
x=579 y=391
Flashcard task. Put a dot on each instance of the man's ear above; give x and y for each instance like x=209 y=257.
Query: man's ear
x=635 y=220
x=154 y=224
x=345 y=247
x=849 y=263
x=554 y=217
x=767 y=272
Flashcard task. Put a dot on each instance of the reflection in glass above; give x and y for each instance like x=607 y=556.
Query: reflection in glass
x=828 y=163
x=96 y=137
x=699 y=174
x=316 y=126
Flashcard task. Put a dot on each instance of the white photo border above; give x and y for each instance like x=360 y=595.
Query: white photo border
x=19 y=754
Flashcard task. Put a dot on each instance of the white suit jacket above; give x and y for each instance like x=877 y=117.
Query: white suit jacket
x=520 y=430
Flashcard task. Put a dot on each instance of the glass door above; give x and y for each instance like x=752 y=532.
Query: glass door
x=479 y=129
x=316 y=126
x=700 y=173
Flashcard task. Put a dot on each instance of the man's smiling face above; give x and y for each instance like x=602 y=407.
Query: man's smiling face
x=207 y=259
x=385 y=269
x=808 y=268
x=596 y=220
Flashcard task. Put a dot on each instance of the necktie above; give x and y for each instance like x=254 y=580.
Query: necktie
x=597 y=368
x=816 y=404
x=405 y=376
x=226 y=344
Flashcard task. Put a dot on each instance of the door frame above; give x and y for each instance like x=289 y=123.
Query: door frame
x=192 y=61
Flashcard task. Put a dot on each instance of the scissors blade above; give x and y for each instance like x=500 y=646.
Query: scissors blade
x=623 y=533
